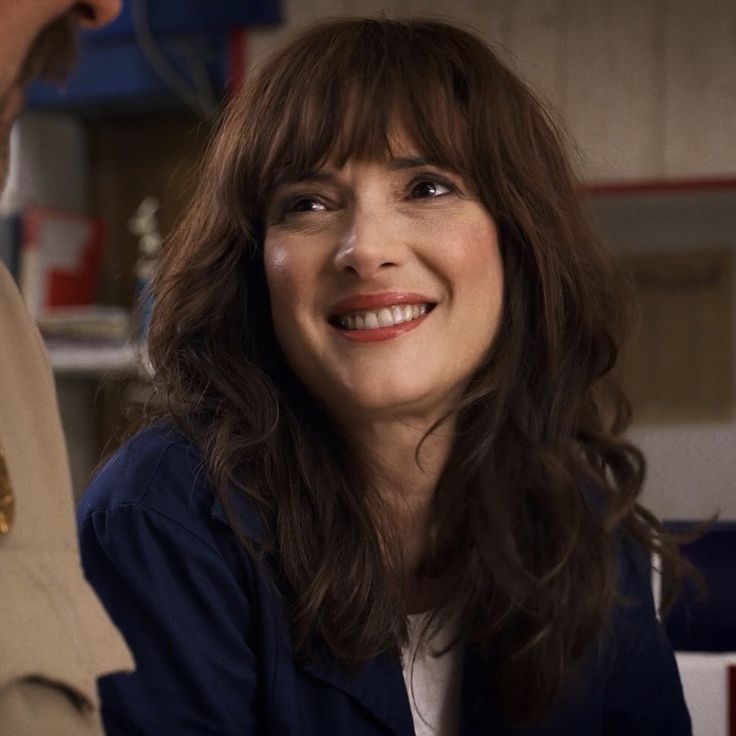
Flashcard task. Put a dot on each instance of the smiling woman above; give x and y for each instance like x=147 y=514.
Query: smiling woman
x=370 y=267
x=389 y=492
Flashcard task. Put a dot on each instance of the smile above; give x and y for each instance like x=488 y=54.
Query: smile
x=384 y=317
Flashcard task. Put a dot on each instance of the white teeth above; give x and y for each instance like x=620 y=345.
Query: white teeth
x=371 y=321
x=384 y=317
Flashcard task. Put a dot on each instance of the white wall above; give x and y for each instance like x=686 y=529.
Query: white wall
x=647 y=89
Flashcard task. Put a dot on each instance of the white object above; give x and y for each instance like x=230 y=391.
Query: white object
x=705 y=683
x=49 y=163
x=432 y=683
x=73 y=358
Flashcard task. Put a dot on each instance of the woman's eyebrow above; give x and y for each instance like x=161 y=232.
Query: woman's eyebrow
x=394 y=163
x=312 y=176
x=410 y=162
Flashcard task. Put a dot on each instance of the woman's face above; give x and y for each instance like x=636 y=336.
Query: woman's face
x=386 y=285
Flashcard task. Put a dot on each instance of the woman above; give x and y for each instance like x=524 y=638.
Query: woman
x=383 y=331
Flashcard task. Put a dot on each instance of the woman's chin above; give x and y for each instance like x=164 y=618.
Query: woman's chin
x=389 y=404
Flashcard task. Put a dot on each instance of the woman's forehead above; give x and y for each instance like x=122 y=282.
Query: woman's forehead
x=397 y=145
x=401 y=152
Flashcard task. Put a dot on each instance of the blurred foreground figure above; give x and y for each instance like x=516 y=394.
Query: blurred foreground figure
x=388 y=493
x=56 y=639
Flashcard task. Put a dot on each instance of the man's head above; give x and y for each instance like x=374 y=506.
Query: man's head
x=38 y=38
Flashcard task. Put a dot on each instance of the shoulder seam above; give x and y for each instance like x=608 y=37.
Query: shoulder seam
x=135 y=505
x=132 y=455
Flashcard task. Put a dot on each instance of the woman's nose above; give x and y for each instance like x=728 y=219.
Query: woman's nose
x=97 y=13
x=367 y=248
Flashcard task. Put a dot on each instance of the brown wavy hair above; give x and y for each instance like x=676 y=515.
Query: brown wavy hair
x=540 y=486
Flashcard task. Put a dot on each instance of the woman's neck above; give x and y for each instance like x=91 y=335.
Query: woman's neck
x=409 y=469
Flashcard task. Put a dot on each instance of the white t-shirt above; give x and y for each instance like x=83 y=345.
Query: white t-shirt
x=433 y=683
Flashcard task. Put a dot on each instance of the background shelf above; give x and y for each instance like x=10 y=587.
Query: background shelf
x=79 y=359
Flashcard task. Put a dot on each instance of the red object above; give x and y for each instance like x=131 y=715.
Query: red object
x=731 y=704
x=237 y=51
x=660 y=186
x=61 y=258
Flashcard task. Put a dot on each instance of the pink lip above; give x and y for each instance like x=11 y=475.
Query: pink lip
x=381 y=333
x=363 y=302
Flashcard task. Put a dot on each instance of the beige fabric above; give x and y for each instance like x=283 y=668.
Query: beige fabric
x=36 y=707
x=54 y=630
x=432 y=683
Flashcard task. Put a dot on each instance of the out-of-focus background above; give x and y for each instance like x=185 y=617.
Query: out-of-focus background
x=647 y=90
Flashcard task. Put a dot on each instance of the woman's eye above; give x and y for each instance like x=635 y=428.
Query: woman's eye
x=304 y=204
x=429 y=188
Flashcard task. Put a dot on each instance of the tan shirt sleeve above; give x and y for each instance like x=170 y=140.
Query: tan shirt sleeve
x=35 y=707
x=54 y=629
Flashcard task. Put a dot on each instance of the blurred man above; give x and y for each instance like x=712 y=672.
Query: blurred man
x=55 y=639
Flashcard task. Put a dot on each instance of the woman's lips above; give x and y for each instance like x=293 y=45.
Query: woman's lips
x=378 y=317
x=365 y=302
x=380 y=334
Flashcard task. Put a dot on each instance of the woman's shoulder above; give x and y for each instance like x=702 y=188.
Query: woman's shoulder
x=157 y=467
x=160 y=471
x=634 y=663
x=178 y=585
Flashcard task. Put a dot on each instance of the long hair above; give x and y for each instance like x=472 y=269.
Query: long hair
x=540 y=486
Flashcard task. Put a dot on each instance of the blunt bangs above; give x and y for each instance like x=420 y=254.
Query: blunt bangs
x=333 y=97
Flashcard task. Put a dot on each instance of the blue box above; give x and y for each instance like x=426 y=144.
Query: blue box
x=116 y=72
